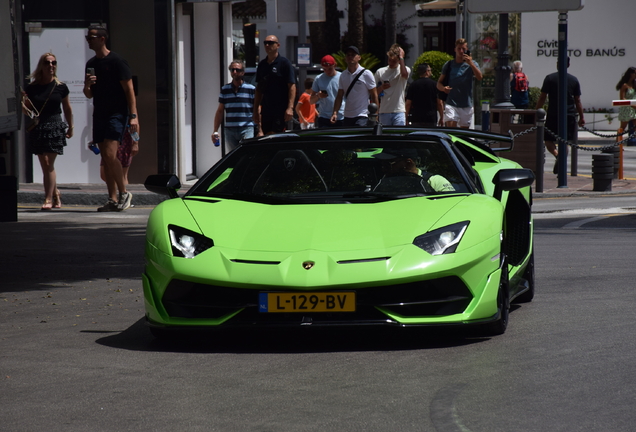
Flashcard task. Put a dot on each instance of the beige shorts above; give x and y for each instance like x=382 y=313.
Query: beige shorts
x=463 y=116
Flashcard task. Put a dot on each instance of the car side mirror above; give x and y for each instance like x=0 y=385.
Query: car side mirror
x=512 y=179
x=163 y=184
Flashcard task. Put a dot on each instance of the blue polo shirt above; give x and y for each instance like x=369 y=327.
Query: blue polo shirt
x=239 y=106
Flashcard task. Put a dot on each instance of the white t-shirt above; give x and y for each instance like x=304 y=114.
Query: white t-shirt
x=393 y=99
x=358 y=100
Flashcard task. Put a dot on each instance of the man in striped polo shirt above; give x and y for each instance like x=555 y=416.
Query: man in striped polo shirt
x=237 y=100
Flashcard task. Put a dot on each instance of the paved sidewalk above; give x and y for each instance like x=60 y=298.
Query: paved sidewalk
x=582 y=184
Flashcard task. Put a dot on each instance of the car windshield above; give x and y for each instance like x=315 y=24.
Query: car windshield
x=333 y=170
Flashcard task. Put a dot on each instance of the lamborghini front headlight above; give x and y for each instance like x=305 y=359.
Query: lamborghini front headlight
x=443 y=240
x=186 y=243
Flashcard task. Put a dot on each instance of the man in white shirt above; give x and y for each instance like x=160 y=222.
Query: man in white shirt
x=357 y=88
x=392 y=80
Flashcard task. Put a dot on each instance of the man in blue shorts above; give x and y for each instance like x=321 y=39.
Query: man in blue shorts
x=109 y=83
x=324 y=91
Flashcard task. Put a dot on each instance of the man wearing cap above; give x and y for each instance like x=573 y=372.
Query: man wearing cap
x=357 y=88
x=324 y=91
x=404 y=161
x=275 y=90
x=392 y=80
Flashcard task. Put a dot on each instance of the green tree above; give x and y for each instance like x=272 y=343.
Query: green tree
x=435 y=59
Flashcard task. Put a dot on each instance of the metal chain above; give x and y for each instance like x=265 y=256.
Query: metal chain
x=527 y=131
x=598 y=134
x=607 y=147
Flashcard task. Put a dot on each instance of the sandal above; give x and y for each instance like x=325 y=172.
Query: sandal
x=57 y=200
x=48 y=205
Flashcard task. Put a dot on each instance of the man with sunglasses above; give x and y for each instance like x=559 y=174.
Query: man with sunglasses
x=275 y=90
x=237 y=101
x=324 y=91
x=109 y=83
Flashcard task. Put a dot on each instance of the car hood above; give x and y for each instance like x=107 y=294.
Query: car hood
x=250 y=226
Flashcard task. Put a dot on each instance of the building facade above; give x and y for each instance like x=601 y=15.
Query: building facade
x=178 y=53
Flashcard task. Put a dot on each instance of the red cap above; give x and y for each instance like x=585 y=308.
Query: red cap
x=328 y=59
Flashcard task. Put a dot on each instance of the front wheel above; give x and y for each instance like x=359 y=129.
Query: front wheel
x=503 y=305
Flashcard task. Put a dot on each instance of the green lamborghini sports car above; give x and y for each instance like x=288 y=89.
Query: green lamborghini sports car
x=344 y=227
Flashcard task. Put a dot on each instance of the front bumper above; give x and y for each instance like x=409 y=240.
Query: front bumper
x=459 y=288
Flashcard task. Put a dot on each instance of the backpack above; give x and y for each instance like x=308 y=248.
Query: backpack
x=521 y=82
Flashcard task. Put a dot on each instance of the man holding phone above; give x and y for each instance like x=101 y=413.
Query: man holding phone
x=324 y=91
x=459 y=108
x=108 y=82
x=392 y=80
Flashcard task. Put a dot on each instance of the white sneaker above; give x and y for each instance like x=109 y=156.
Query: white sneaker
x=124 y=201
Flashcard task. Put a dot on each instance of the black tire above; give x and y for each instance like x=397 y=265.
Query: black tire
x=503 y=305
x=528 y=275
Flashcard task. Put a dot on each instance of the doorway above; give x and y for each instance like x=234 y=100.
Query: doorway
x=438 y=36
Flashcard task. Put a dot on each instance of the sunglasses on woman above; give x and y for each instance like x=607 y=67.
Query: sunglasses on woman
x=51 y=62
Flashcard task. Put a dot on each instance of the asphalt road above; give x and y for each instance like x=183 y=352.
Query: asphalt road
x=75 y=354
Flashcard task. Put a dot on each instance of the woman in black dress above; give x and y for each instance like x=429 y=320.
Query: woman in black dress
x=48 y=97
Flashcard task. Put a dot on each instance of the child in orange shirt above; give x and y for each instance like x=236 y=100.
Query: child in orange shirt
x=306 y=111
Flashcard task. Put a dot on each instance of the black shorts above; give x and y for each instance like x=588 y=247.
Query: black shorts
x=553 y=125
x=110 y=127
x=326 y=122
x=273 y=124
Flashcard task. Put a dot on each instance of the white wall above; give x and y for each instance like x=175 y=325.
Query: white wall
x=208 y=80
x=78 y=164
x=601 y=25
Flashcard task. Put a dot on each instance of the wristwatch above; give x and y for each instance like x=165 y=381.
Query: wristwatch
x=133 y=116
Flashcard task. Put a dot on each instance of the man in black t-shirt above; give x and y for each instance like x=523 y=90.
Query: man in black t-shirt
x=550 y=90
x=109 y=83
x=422 y=102
x=275 y=90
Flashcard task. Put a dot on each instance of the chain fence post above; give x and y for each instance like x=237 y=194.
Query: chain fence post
x=619 y=139
x=574 y=161
x=540 y=149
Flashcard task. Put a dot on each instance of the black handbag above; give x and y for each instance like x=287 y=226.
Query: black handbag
x=34 y=114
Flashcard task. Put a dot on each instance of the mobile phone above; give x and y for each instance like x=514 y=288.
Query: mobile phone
x=323 y=91
x=90 y=71
x=467 y=52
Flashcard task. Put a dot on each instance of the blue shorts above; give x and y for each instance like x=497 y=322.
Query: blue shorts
x=393 y=119
x=111 y=127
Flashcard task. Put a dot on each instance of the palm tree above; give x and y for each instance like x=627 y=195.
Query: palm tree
x=390 y=10
x=355 y=33
x=325 y=36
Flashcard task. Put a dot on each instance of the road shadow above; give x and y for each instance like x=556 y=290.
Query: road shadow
x=293 y=340
x=39 y=255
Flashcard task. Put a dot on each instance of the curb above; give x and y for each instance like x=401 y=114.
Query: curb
x=89 y=199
